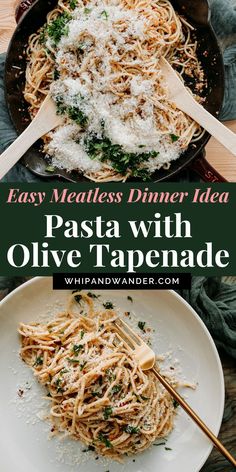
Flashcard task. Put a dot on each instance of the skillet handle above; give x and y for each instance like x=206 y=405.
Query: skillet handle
x=21 y=8
x=204 y=169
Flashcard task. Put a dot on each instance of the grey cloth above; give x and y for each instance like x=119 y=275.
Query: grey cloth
x=215 y=302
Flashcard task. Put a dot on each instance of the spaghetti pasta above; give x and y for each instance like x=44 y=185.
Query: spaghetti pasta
x=99 y=59
x=98 y=392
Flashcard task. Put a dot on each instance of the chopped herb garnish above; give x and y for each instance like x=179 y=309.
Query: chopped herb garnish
x=87 y=10
x=82 y=366
x=58 y=27
x=97 y=394
x=105 y=14
x=101 y=327
x=50 y=169
x=49 y=394
x=81 y=334
x=77 y=115
x=144 y=398
x=168 y=448
x=100 y=380
x=130 y=298
x=175 y=403
x=91 y=448
x=38 y=361
x=174 y=138
x=42 y=35
x=104 y=440
x=108 y=305
x=110 y=375
x=77 y=348
x=58 y=385
x=73 y=112
x=117 y=388
x=141 y=325
x=78 y=298
x=130 y=429
x=92 y=295
x=159 y=444
x=107 y=412
x=123 y=162
x=73 y=4
x=56 y=74
x=75 y=361
x=64 y=371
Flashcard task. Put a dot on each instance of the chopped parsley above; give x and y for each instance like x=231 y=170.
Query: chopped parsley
x=107 y=412
x=141 y=325
x=58 y=385
x=90 y=448
x=104 y=440
x=58 y=27
x=144 y=398
x=104 y=14
x=123 y=162
x=97 y=394
x=73 y=4
x=159 y=444
x=110 y=376
x=87 y=11
x=130 y=298
x=93 y=295
x=108 y=305
x=64 y=371
x=74 y=112
x=130 y=429
x=168 y=448
x=78 y=298
x=175 y=403
x=38 y=361
x=75 y=361
x=81 y=334
x=56 y=74
x=77 y=348
x=117 y=388
x=77 y=115
x=42 y=35
x=174 y=138
x=83 y=365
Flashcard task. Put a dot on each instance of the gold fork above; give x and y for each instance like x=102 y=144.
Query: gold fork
x=146 y=358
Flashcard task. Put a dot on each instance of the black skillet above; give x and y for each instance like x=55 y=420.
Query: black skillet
x=198 y=14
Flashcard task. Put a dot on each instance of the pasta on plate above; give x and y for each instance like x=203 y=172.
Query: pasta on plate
x=99 y=61
x=97 y=391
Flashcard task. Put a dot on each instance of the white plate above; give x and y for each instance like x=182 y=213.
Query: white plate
x=24 y=444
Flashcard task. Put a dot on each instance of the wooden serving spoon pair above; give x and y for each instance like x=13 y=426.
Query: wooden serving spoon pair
x=48 y=119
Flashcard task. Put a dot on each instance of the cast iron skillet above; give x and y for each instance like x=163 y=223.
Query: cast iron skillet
x=198 y=14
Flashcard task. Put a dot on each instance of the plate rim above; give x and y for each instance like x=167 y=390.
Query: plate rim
x=34 y=280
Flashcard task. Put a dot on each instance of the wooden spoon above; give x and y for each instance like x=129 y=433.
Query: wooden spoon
x=180 y=96
x=45 y=120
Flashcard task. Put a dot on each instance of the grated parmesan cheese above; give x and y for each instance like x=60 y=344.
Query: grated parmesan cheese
x=96 y=37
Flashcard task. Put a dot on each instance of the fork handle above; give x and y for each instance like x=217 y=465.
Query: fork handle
x=194 y=416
